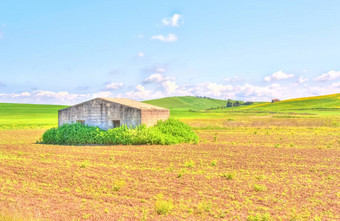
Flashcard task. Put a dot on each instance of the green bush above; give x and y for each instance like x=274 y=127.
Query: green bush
x=166 y=132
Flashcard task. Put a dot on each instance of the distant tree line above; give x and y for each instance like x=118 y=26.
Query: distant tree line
x=231 y=103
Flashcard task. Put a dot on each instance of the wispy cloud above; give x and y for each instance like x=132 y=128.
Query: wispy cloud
x=173 y=21
x=169 y=38
x=301 y=80
x=114 y=86
x=140 y=54
x=44 y=97
x=279 y=75
x=331 y=75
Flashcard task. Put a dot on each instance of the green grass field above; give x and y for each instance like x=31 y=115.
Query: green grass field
x=22 y=116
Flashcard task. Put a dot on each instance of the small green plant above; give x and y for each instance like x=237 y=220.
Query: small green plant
x=86 y=216
x=229 y=176
x=277 y=145
x=204 y=206
x=213 y=163
x=260 y=177
x=259 y=217
x=259 y=188
x=162 y=206
x=189 y=164
x=118 y=184
x=181 y=173
x=84 y=164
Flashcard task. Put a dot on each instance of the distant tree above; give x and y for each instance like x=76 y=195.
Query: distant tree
x=229 y=103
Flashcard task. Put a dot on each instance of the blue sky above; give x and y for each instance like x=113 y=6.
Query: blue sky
x=64 y=52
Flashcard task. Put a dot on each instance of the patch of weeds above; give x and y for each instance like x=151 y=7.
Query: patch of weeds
x=167 y=132
x=86 y=216
x=170 y=168
x=204 y=206
x=189 y=164
x=215 y=138
x=222 y=213
x=84 y=164
x=259 y=217
x=260 y=177
x=162 y=206
x=106 y=210
x=118 y=184
x=229 y=176
x=213 y=163
x=259 y=188
x=181 y=173
x=277 y=145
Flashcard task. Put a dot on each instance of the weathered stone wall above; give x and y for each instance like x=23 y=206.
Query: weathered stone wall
x=151 y=116
x=98 y=112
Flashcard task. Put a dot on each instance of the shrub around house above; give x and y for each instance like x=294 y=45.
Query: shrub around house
x=166 y=132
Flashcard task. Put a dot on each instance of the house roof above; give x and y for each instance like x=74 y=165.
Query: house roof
x=132 y=103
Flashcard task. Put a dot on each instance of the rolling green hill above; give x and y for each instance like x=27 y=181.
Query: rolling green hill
x=326 y=103
x=187 y=103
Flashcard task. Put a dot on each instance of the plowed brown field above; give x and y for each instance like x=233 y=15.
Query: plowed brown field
x=233 y=173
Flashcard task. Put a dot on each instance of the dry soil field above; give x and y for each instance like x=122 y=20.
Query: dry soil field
x=236 y=172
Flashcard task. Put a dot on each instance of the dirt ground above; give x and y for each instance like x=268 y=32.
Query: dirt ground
x=234 y=173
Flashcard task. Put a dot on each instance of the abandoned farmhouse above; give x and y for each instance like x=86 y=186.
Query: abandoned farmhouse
x=107 y=113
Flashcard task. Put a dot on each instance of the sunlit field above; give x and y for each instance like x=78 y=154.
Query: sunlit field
x=246 y=167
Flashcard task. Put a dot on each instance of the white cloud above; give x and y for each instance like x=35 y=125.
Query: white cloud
x=279 y=75
x=44 y=97
x=160 y=70
x=301 y=80
x=102 y=94
x=331 y=75
x=157 y=77
x=173 y=21
x=140 y=54
x=169 y=87
x=169 y=38
x=232 y=79
x=141 y=93
x=337 y=84
x=114 y=86
x=154 y=78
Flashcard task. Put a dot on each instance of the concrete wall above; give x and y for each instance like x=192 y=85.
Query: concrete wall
x=151 y=116
x=98 y=112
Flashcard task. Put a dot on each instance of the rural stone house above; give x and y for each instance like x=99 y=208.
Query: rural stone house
x=107 y=113
x=275 y=100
